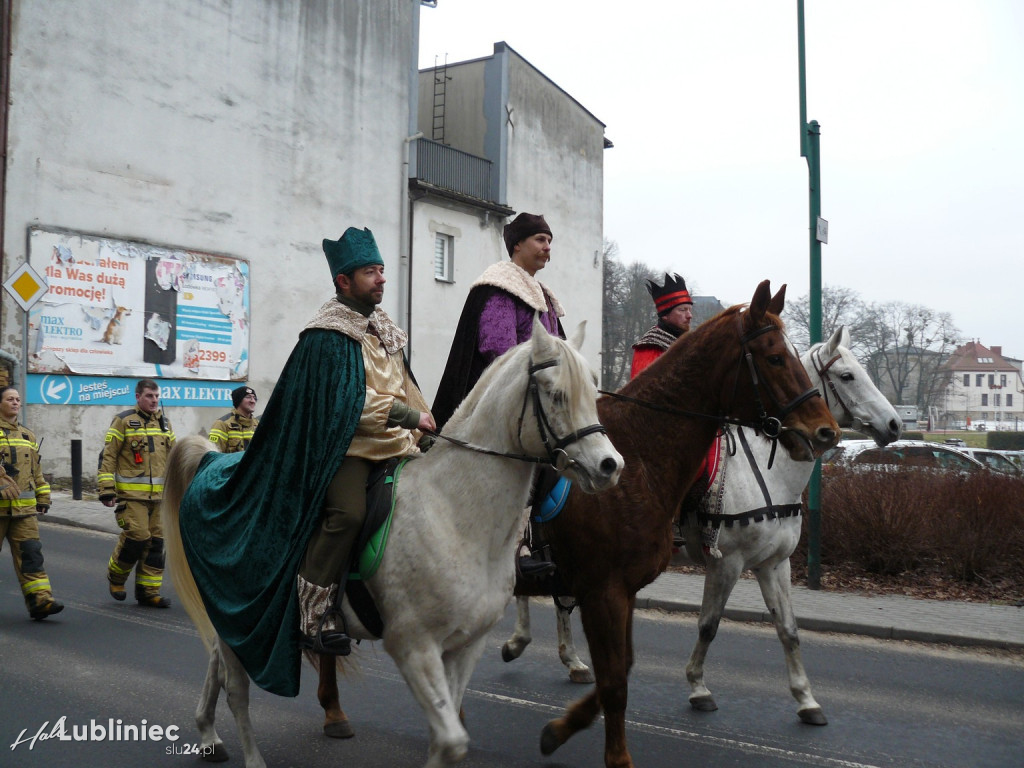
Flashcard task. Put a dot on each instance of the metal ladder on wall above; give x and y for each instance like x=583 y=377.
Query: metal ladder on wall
x=441 y=79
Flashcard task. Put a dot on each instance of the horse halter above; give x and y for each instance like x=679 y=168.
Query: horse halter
x=770 y=426
x=823 y=374
x=556 y=457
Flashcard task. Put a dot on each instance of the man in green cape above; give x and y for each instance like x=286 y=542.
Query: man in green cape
x=269 y=531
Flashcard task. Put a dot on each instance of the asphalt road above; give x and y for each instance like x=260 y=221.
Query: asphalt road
x=889 y=703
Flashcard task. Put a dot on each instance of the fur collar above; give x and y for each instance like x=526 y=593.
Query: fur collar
x=655 y=337
x=510 y=277
x=335 y=316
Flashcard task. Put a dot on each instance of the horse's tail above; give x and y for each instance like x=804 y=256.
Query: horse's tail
x=182 y=464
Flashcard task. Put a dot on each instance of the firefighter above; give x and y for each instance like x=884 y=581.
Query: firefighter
x=232 y=432
x=131 y=478
x=24 y=493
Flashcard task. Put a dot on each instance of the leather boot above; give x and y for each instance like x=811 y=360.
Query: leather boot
x=318 y=620
x=151 y=599
x=39 y=609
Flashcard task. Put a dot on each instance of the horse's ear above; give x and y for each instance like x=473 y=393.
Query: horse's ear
x=578 y=335
x=839 y=336
x=541 y=337
x=759 y=303
x=778 y=302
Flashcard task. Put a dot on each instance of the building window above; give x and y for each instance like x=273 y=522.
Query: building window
x=991 y=380
x=984 y=400
x=444 y=258
x=967 y=379
x=1009 y=401
x=1002 y=380
x=995 y=399
x=979 y=379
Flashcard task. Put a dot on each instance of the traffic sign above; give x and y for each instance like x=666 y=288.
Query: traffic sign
x=26 y=286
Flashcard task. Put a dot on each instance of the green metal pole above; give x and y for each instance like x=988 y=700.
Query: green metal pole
x=810 y=148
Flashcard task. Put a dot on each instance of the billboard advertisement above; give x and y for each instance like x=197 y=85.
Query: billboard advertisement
x=123 y=308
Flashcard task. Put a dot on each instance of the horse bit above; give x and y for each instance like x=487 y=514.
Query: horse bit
x=553 y=446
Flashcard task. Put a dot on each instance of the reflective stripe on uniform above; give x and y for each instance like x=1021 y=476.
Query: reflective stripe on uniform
x=36 y=585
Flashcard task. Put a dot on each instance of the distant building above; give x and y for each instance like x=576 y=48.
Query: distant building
x=985 y=391
x=495 y=137
x=704 y=308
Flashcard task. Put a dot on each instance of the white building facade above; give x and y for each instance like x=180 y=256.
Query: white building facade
x=508 y=140
x=159 y=150
x=985 y=390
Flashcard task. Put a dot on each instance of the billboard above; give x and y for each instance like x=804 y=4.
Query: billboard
x=123 y=308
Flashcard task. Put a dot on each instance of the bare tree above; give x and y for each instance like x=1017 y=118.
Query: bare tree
x=907 y=346
x=839 y=306
x=628 y=312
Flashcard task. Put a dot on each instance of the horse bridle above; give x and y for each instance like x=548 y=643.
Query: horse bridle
x=553 y=446
x=770 y=426
x=823 y=374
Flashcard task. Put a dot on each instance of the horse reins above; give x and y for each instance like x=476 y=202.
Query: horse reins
x=553 y=446
x=770 y=426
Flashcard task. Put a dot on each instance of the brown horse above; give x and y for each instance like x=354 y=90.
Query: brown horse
x=736 y=368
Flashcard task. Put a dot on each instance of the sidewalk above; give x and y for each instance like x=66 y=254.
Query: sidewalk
x=895 y=617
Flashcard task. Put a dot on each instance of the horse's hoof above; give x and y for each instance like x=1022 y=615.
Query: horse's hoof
x=813 y=716
x=703 y=703
x=549 y=741
x=215 y=753
x=581 y=675
x=506 y=653
x=339 y=729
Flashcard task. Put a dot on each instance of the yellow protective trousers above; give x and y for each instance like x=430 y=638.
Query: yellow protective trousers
x=22 y=533
x=140 y=546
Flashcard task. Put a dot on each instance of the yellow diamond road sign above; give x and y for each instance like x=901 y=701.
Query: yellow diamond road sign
x=26 y=286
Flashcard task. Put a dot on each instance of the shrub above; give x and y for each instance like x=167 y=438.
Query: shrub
x=1006 y=441
x=889 y=522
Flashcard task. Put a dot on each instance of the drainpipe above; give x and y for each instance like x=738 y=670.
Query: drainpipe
x=405 y=246
x=5 y=95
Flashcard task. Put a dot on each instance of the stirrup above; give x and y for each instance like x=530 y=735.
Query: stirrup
x=334 y=642
x=536 y=564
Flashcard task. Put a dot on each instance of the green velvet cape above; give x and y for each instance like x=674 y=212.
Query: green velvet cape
x=247 y=517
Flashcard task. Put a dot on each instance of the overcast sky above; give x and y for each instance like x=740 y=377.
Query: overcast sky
x=921 y=107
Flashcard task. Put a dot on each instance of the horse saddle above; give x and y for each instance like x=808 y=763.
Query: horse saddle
x=551 y=499
x=373 y=538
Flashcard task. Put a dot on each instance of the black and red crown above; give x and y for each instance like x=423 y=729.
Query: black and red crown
x=669 y=295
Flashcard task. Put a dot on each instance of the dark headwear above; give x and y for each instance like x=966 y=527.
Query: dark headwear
x=670 y=295
x=354 y=249
x=237 y=395
x=523 y=226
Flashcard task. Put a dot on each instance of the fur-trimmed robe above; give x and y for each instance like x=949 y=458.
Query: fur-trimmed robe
x=466 y=360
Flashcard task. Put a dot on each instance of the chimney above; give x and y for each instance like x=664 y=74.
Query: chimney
x=997 y=351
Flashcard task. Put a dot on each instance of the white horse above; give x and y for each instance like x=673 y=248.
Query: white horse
x=449 y=567
x=760 y=545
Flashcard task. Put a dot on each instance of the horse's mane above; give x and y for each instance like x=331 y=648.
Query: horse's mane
x=572 y=377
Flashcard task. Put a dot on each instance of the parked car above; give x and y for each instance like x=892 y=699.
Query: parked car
x=1017 y=457
x=993 y=460
x=919 y=454
x=954 y=441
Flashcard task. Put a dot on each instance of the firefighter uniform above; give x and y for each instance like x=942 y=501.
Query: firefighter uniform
x=24 y=492
x=232 y=432
x=132 y=470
